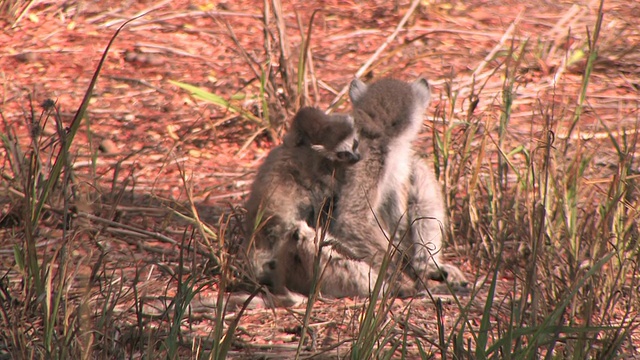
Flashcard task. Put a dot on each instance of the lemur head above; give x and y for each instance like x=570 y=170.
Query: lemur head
x=332 y=136
x=392 y=107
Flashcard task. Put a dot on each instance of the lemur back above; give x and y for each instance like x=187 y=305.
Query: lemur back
x=389 y=115
x=407 y=200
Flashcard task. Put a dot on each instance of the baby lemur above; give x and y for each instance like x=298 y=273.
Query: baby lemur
x=390 y=194
x=295 y=183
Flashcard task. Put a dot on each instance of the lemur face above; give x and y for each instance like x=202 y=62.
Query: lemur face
x=345 y=150
x=334 y=136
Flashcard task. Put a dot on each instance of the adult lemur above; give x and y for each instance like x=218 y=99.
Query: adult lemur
x=389 y=194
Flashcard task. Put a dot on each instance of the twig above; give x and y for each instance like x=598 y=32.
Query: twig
x=250 y=139
x=498 y=46
x=151 y=234
x=140 y=244
x=103 y=162
x=285 y=68
x=138 y=81
x=171 y=50
x=379 y=51
x=178 y=16
x=564 y=24
x=117 y=227
x=327 y=87
x=23 y=13
x=474 y=34
x=561 y=28
x=351 y=35
x=247 y=58
x=142 y=12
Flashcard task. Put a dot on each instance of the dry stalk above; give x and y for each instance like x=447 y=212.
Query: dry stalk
x=376 y=55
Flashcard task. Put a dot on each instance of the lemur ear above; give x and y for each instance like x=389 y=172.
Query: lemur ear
x=320 y=149
x=422 y=91
x=292 y=138
x=307 y=121
x=357 y=89
x=338 y=121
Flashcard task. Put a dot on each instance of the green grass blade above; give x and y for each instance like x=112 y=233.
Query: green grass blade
x=216 y=100
x=61 y=157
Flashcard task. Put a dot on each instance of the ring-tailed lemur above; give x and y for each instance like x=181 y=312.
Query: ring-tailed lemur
x=295 y=183
x=390 y=192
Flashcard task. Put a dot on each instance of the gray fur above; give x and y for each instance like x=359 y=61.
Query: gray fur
x=407 y=198
x=390 y=193
x=421 y=230
x=294 y=183
x=389 y=115
x=341 y=274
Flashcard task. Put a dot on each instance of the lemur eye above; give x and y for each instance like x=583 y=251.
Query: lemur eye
x=271 y=264
x=343 y=155
x=355 y=145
